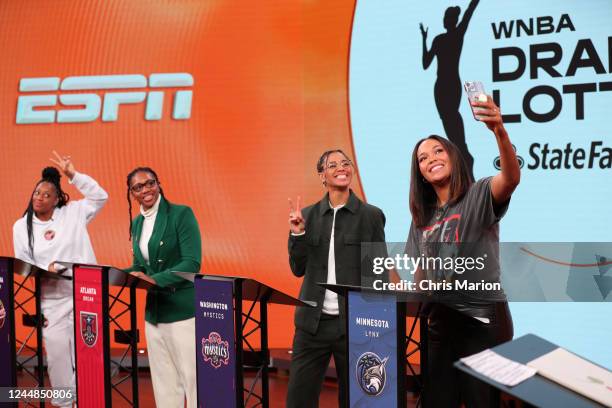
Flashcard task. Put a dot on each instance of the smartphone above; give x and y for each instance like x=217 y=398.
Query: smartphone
x=475 y=92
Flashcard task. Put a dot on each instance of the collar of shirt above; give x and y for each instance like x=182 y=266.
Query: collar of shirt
x=336 y=207
x=36 y=220
x=352 y=204
x=151 y=211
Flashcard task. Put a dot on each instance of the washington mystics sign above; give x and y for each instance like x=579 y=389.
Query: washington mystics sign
x=215 y=339
x=215 y=350
x=2 y=314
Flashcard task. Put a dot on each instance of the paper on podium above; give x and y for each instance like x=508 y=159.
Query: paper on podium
x=577 y=374
x=498 y=368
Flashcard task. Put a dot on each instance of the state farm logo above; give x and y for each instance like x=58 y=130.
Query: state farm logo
x=106 y=102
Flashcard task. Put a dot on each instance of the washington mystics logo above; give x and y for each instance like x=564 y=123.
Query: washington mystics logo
x=371 y=373
x=89 y=328
x=2 y=314
x=215 y=350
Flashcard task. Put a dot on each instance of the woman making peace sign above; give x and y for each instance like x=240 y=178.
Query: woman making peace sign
x=325 y=246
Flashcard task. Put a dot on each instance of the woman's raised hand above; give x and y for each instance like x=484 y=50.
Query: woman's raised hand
x=296 y=221
x=423 y=30
x=489 y=113
x=65 y=164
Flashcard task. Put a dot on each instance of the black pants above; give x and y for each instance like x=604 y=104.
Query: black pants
x=451 y=336
x=311 y=354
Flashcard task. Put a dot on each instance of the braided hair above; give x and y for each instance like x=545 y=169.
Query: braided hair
x=49 y=175
x=129 y=182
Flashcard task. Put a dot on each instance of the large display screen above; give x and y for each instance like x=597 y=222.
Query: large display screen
x=548 y=64
x=233 y=105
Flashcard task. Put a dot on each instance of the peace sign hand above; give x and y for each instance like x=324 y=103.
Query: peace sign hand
x=296 y=221
x=65 y=165
x=423 y=30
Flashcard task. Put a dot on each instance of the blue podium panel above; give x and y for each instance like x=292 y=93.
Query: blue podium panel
x=215 y=348
x=372 y=350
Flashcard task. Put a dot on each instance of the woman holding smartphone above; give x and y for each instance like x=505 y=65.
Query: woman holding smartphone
x=453 y=215
x=54 y=229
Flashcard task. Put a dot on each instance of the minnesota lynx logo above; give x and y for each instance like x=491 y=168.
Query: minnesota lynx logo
x=89 y=328
x=215 y=350
x=371 y=373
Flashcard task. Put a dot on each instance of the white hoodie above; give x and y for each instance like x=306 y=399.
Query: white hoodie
x=62 y=238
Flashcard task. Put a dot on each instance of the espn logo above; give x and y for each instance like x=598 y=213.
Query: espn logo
x=29 y=112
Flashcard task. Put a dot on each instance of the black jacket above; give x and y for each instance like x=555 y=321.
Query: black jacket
x=356 y=222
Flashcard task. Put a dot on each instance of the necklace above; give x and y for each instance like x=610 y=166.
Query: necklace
x=440 y=211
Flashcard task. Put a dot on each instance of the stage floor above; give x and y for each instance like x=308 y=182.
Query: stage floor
x=278 y=391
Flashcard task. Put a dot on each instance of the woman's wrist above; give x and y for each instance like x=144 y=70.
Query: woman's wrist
x=500 y=132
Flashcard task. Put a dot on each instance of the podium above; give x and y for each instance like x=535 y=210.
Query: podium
x=224 y=343
x=17 y=296
x=379 y=344
x=96 y=311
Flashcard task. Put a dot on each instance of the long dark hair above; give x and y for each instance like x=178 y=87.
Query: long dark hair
x=129 y=181
x=423 y=199
x=49 y=175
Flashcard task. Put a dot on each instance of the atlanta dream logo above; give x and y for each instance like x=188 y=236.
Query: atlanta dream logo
x=89 y=328
x=371 y=373
x=215 y=350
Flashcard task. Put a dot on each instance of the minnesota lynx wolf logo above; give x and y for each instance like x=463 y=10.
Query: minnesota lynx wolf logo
x=371 y=373
x=89 y=328
x=215 y=350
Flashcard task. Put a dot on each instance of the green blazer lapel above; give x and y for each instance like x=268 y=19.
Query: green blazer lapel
x=159 y=229
x=136 y=231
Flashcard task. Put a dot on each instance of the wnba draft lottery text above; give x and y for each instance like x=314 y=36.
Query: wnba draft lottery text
x=546 y=60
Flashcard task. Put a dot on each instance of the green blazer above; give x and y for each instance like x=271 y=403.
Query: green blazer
x=175 y=245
